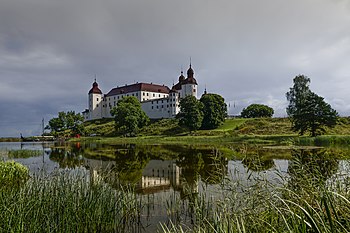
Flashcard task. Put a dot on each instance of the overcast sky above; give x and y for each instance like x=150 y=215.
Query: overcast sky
x=248 y=51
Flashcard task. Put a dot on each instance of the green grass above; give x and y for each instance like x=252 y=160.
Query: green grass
x=231 y=124
x=303 y=203
x=24 y=153
x=254 y=131
x=67 y=202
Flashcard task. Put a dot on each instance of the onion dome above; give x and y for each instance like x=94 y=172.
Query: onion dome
x=190 y=72
x=190 y=77
x=95 y=89
x=182 y=77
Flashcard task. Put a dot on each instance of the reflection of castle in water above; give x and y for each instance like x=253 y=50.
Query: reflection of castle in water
x=159 y=175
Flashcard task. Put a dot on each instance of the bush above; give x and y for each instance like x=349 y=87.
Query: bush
x=12 y=174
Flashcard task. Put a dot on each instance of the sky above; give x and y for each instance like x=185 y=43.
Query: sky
x=248 y=51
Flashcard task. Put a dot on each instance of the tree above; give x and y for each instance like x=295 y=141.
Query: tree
x=67 y=121
x=308 y=111
x=129 y=116
x=214 y=110
x=257 y=110
x=191 y=114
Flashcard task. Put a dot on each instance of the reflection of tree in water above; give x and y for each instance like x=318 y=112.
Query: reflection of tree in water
x=311 y=167
x=190 y=162
x=130 y=163
x=209 y=165
x=67 y=158
x=257 y=164
x=215 y=168
x=258 y=160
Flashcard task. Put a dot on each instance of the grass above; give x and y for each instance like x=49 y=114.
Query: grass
x=303 y=202
x=67 y=202
x=231 y=124
x=24 y=153
x=268 y=131
x=314 y=197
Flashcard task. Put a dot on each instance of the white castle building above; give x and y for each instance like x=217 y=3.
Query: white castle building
x=158 y=101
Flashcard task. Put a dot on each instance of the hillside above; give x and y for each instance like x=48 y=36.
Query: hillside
x=235 y=126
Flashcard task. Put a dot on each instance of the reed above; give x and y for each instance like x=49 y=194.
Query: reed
x=67 y=202
x=303 y=202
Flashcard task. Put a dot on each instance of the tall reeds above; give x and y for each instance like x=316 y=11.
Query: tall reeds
x=67 y=202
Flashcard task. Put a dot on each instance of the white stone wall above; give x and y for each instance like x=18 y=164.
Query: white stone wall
x=188 y=89
x=95 y=106
x=157 y=108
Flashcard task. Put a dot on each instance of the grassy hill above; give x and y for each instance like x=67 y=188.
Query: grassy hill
x=234 y=126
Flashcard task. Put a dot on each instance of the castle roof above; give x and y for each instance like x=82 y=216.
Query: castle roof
x=139 y=87
x=95 y=89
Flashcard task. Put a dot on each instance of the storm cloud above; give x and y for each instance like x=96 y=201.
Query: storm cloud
x=248 y=51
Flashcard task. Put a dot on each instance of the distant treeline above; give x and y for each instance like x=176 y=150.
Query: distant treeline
x=10 y=139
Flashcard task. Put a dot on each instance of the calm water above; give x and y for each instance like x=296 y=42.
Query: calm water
x=160 y=173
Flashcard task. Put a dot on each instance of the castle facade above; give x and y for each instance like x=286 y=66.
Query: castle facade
x=158 y=101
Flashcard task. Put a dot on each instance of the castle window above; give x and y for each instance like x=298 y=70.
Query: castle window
x=157 y=101
x=159 y=95
x=133 y=94
x=114 y=97
x=194 y=90
x=96 y=99
x=96 y=105
x=162 y=101
x=152 y=102
x=154 y=95
x=162 y=106
x=117 y=96
x=157 y=106
x=143 y=93
x=147 y=94
x=137 y=94
x=152 y=107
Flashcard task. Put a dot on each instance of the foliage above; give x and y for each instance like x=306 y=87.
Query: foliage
x=12 y=174
x=129 y=116
x=257 y=110
x=214 y=110
x=191 y=114
x=67 y=121
x=308 y=111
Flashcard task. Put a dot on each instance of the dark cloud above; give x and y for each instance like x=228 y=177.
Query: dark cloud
x=247 y=51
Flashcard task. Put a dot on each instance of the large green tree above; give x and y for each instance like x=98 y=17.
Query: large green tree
x=67 y=121
x=257 y=110
x=214 y=110
x=191 y=114
x=308 y=111
x=129 y=116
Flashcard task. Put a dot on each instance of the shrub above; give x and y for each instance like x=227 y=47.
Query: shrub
x=12 y=174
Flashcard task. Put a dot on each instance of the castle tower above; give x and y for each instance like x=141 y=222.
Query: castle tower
x=95 y=102
x=189 y=85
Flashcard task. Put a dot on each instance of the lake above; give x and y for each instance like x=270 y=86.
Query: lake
x=162 y=175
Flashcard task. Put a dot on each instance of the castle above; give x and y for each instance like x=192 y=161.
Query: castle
x=157 y=101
